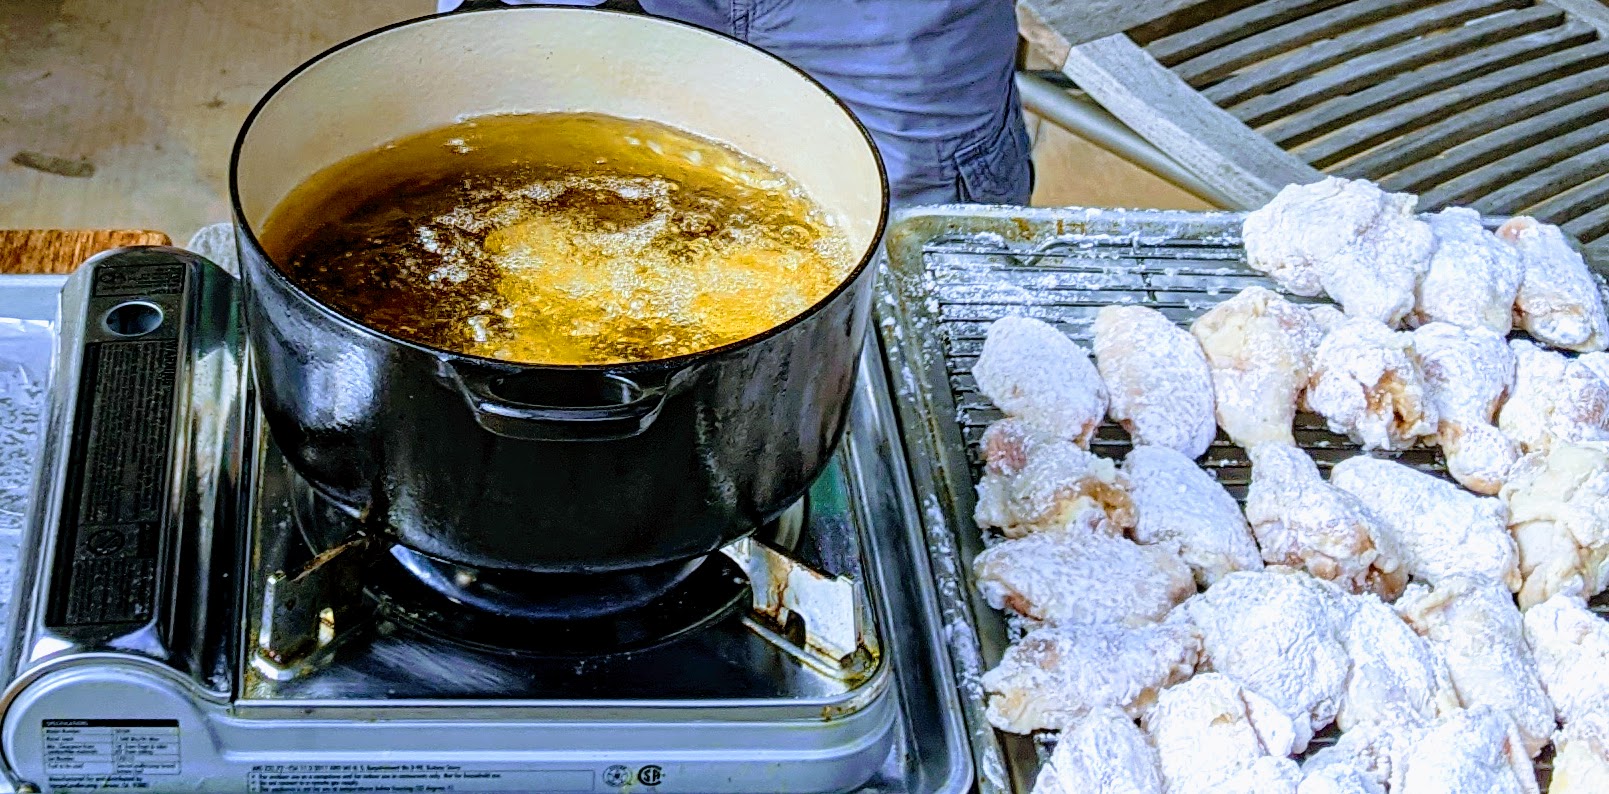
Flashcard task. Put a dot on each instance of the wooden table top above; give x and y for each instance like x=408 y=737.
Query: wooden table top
x=62 y=250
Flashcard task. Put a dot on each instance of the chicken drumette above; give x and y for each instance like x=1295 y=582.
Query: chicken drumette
x=1213 y=735
x=1438 y=528
x=1559 y=513
x=1103 y=752
x=1034 y=482
x=1083 y=576
x=1474 y=626
x=1157 y=379
x=1467 y=373
x=1035 y=373
x=1260 y=348
x=1302 y=521
x=1366 y=384
x=1054 y=676
x=1175 y=501
x=1473 y=275
x=1362 y=246
x=1558 y=300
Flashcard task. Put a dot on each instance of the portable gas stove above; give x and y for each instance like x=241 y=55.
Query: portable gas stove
x=173 y=629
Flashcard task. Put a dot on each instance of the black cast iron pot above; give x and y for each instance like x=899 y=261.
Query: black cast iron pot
x=578 y=469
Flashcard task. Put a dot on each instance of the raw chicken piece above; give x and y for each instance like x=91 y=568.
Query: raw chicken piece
x=1266 y=775
x=1473 y=275
x=1210 y=728
x=1361 y=245
x=1438 y=528
x=1474 y=626
x=1280 y=633
x=1104 y=752
x=1053 y=676
x=1467 y=374
x=1036 y=373
x=1555 y=399
x=1581 y=762
x=1558 y=301
x=1366 y=385
x=1260 y=348
x=1304 y=522
x=1473 y=751
x=1358 y=763
x=1157 y=377
x=1559 y=513
x=1176 y=502
x=1397 y=678
x=1571 y=646
x=1034 y=482
x=1327 y=316
x=1083 y=576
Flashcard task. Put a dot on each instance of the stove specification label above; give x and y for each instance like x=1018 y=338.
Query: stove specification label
x=131 y=754
x=412 y=779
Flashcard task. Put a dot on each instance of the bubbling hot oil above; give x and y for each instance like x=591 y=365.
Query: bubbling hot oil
x=570 y=238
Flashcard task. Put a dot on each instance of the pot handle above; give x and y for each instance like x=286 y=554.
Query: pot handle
x=628 y=6
x=556 y=405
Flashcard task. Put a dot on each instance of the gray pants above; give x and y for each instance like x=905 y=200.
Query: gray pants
x=931 y=80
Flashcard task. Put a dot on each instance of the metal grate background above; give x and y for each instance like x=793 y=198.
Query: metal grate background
x=952 y=271
x=1501 y=105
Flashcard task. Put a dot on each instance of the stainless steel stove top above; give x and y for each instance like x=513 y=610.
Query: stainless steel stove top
x=159 y=660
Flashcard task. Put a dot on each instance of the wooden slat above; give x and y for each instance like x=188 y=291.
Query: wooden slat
x=1372 y=52
x=63 y=250
x=1592 y=12
x=1306 y=125
x=1080 y=21
x=1222 y=62
x=1155 y=103
x=1521 y=195
x=1233 y=27
x=1592 y=229
x=1525 y=147
x=1535 y=86
x=1576 y=203
x=1358 y=67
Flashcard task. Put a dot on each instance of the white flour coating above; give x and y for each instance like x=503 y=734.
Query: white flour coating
x=1175 y=501
x=1036 y=373
x=1397 y=677
x=1474 y=626
x=1302 y=521
x=1357 y=763
x=1304 y=226
x=1439 y=528
x=1555 y=399
x=1053 y=676
x=1571 y=647
x=1467 y=373
x=1260 y=348
x=1211 y=728
x=1035 y=482
x=1363 y=247
x=1266 y=775
x=1065 y=578
x=1472 y=751
x=1103 y=752
x=1558 y=302
x=1326 y=316
x=1366 y=385
x=1473 y=275
x=1279 y=632
x=1559 y=513
x=1157 y=379
x=1581 y=760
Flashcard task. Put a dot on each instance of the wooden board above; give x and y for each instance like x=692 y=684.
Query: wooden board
x=63 y=250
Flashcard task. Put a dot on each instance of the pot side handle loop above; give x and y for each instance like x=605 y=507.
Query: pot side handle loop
x=557 y=405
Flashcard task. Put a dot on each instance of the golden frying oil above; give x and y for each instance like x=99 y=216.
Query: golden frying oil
x=559 y=239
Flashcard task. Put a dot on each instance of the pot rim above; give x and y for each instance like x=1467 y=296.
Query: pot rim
x=341 y=317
